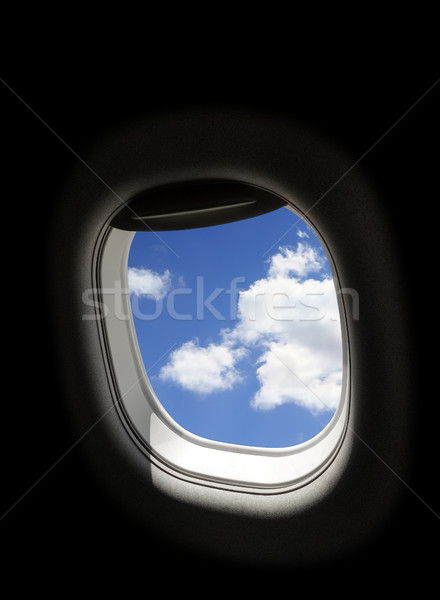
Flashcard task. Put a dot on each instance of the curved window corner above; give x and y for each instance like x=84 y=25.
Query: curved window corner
x=226 y=339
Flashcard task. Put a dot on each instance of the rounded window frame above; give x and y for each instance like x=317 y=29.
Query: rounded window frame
x=169 y=446
x=354 y=496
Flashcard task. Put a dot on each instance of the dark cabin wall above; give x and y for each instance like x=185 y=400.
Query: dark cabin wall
x=58 y=519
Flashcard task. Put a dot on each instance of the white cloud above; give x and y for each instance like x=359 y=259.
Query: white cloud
x=302 y=234
x=292 y=319
x=203 y=370
x=143 y=282
x=296 y=323
x=295 y=373
x=300 y=262
x=284 y=308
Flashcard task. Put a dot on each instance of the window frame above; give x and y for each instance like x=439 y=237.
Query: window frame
x=357 y=493
x=208 y=462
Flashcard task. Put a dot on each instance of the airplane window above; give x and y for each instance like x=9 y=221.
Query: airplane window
x=246 y=327
x=221 y=350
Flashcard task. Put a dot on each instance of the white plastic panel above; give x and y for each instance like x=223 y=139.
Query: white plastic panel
x=259 y=469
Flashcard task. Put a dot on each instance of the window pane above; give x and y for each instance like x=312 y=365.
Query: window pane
x=239 y=330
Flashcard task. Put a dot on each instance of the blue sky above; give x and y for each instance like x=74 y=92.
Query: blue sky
x=239 y=329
